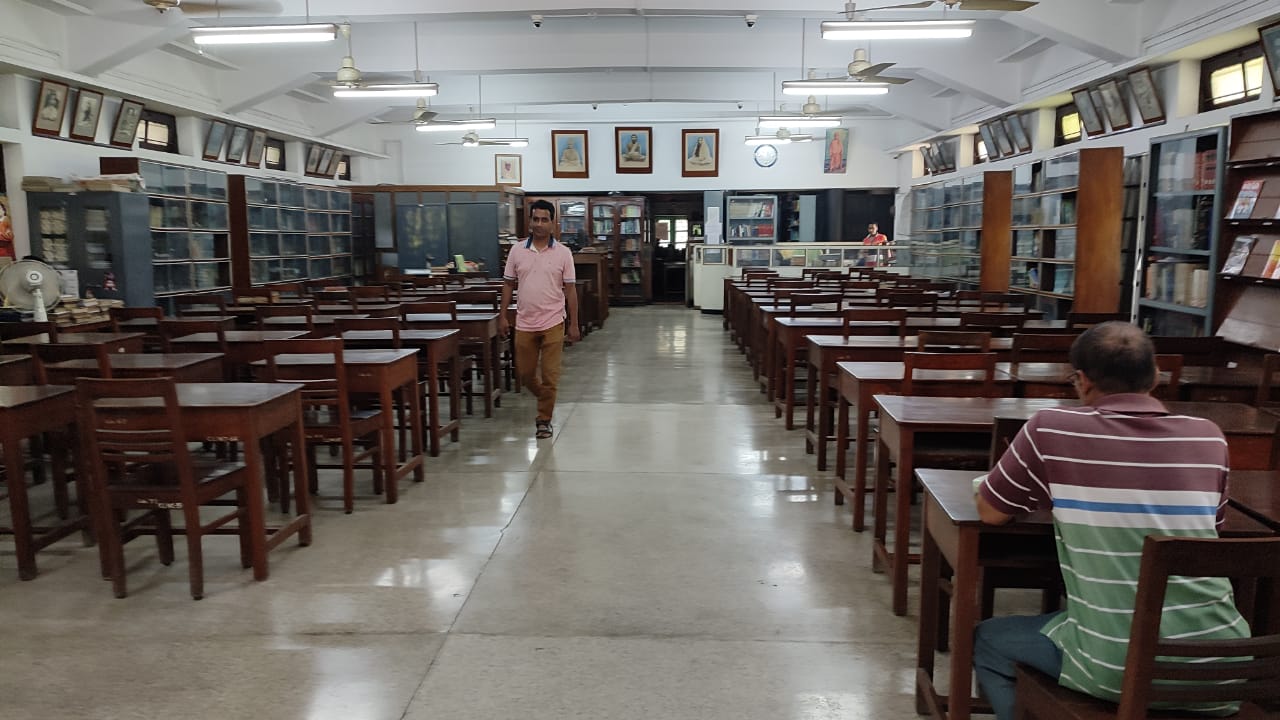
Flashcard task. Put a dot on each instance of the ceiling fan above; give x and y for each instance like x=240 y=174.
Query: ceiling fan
x=191 y=7
x=350 y=82
x=862 y=70
x=995 y=5
x=424 y=116
x=471 y=139
x=157 y=12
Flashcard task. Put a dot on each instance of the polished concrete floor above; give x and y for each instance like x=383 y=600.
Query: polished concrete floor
x=670 y=553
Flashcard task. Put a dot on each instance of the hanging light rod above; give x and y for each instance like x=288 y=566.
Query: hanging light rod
x=896 y=29
x=477 y=124
x=834 y=87
x=807 y=121
x=264 y=34
x=418 y=89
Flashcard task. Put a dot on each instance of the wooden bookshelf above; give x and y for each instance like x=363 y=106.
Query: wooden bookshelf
x=622 y=224
x=1180 y=249
x=1245 y=302
x=1066 y=224
x=961 y=231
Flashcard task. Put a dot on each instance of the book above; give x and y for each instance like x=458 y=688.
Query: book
x=1272 y=268
x=1245 y=200
x=1240 y=250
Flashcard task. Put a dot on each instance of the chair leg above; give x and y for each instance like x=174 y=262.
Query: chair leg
x=195 y=558
x=113 y=553
x=242 y=522
x=164 y=535
x=348 y=477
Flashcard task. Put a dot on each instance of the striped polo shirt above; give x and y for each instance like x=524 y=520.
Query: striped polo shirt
x=542 y=275
x=1113 y=474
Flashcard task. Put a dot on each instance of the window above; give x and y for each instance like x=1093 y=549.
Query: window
x=1066 y=126
x=980 y=154
x=157 y=131
x=1231 y=78
x=274 y=152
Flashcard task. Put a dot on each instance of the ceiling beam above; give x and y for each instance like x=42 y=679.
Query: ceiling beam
x=193 y=53
x=1027 y=50
x=241 y=93
x=346 y=116
x=1107 y=31
x=95 y=45
x=62 y=7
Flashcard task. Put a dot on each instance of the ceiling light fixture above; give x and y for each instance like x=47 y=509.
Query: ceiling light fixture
x=478 y=124
x=424 y=89
x=833 y=87
x=801 y=121
x=264 y=34
x=896 y=29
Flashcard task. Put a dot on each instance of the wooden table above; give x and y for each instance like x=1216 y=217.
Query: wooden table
x=17 y=370
x=182 y=367
x=1220 y=384
x=323 y=324
x=954 y=532
x=859 y=382
x=380 y=373
x=151 y=326
x=901 y=418
x=480 y=329
x=1256 y=493
x=434 y=348
x=27 y=411
x=244 y=347
x=130 y=342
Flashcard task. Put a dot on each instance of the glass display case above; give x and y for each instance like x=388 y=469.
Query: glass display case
x=286 y=232
x=711 y=264
x=751 y=219
x=946 y=230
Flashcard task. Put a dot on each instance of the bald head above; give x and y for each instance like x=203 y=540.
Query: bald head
x=1117 y=357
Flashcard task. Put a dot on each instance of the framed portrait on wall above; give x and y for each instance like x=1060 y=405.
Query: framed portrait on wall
x=1018 y=133
x=51 y=108
x=215 y=137
x=326 y=159
x=569 y=154
x=1147 y=96
x=507 y=169
x=238 y=144
x=256 y=146
x=313 y=158
x=334 y=163
x=634 y=149
x=835 y=155
x=84 y=120
x=1002 y=138
x=1116 y=105
x=1090 y=120
x=700 y=151
x=126 y=126
x=989 y=141
x=1270 y=37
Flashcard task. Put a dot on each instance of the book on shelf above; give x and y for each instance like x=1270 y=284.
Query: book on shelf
x=1240 y=250
x=1206 y=169
x=1242 y=209
x=1272 y=269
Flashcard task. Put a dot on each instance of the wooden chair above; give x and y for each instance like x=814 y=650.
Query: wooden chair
x=1082 y=321
x=343 y=324
x=120 y=314
x=1209 y=350
x=263 y=313
x=1172 y=670
x=139 y=461
x=808 y=298
x=953 y=341
x=1037 y=347
x=47 y=354
x=999 y=324
x=171 y=330
x=197 y=305
x=1000 y=301
x=780 y=283
x=255 y=296
x=1270 y=366
x=1172 y=364
x=506 y=345
x=984 y=362
x=854 y=315
x=327 y=411
x=288 y=289
x=11 y=330
x=859 y=285
x=918 y=301
x=371 y=293
x=469 y=363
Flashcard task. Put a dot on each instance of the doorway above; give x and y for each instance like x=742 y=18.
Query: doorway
x=671 y=243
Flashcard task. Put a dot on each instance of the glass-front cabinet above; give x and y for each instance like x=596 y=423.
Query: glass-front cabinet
x=946 y=230
x=93 y=234
x=286 y=232
x=711 y=264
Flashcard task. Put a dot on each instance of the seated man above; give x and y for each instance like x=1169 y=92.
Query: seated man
x=1113 y=471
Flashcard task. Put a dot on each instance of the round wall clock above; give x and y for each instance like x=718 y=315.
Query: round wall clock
x=766 y=155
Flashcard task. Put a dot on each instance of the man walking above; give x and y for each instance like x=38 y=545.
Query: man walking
x=543 y=271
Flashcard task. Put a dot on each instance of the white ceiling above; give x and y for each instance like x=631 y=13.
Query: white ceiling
x=646 y=61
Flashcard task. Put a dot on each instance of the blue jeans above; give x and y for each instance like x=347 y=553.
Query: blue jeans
x=1001 y=642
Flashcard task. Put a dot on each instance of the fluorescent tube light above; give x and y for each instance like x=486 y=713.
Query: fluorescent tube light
x=896 y=29
x=778 y=121
x=482 y=124
x=833 y=87
x=264 y=34
x=388 y=90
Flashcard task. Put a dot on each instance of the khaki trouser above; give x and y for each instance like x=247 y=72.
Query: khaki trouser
x=547 y=345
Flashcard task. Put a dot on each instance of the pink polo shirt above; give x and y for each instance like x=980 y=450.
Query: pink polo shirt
x=541 y=277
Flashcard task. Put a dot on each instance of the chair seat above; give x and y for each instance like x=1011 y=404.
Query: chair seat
x=1044 y=691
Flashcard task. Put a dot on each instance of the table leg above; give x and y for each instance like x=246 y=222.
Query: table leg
x=433 y=403
x=415 y=412
x=965 y=619
x=808 y=414
x=455 y=392
x=789 y=385
x=930 y=567
x=19 y=508
x=387 y=445
x=301 y=478
x=486 y=359
x=901 y=555
x=842 y=439
x=257 y=513
x=860 y=467
x=880 y=506
x=495 y=356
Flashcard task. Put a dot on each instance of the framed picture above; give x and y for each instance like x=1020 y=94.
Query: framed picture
x=1147 y=96
x=51 y=108
x=633 y=148
x=701 y=153
x=835 y=159
x=1115 y=105
x=84 y=121
x=507 y=169
x=214 y=139
x=126 y=126
x=326 y=158
x=1018 y=133
x=989 y=141
x=1270 y=36
x=929 y=167
x=569 y=154
x=332 y=168
x=1002 y=138
x=313 y=158
x=1090 y=120
x=256 y=146
x=939 y=156
x=238 y=144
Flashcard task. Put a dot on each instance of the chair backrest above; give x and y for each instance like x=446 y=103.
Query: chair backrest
x=1087 y=320
x=1172 y=364
x=1270 y=365
x=252 y=296
x=983 y=362
x=476 y=297
x=970 y=295
x=1207 y=350
x=853 y=315
x=324 y=386
x=1038 y=347
x=429 y=307
x=10 y=330
x=999 y=301
x=123 y=435
x=370 y=292
x=49 y=353
x=171 y=330
x=196 y=305
x=792 y=283
x=120 y=314
x=391 y=324
x=953 y=341
x=292 y=310
x=287 y=289
x=937 y=286
x=859 y=285
x=1197 y=670
x=998 y=323
x=808 y=298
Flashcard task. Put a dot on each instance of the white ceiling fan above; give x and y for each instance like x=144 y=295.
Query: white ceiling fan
x=350 y=82
x=472 y=139
x=425 y=119
x=862 y=70
x=994 y=5
x=158 y=12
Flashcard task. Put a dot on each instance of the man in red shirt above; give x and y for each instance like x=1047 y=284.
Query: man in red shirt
x=543 y=270
x=874 y=236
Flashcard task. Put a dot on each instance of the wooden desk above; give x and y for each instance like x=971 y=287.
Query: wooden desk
x=27 y=411
x=954 y=532
x=182 y=367
x=1220 y=384
x=150 y=326
x=901 y=418
x=858 y=383
x=243 y=346
x=17 y=370
x=434 y=348
x=380 y=373
x=116 y=342
x=1256 y=493
x=323 y=324
x=479 y=329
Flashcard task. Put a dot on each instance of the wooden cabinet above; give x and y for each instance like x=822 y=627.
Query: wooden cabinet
x=622 y=224
x=288 y=232
x=1066 y=224
x=1180 y=250
x=960 y=231
x=93 y=233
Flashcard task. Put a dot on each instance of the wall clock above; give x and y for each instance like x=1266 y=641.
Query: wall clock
x=766 y=155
